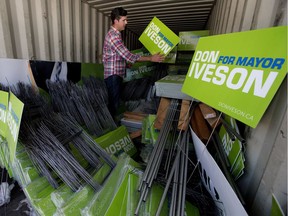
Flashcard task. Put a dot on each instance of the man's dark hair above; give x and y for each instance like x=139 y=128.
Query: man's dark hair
x=116 y=13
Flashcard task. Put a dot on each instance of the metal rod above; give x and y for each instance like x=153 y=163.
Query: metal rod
x=181 y=174
x=185 y=177
x=167 y=184
x=174 y=193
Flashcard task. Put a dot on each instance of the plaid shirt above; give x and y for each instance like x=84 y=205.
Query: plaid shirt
x=115 y=54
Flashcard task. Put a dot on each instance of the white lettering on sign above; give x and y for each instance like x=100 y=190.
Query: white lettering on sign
x=227 y=143
x=153 y=32
x=124 y=143
x=237 y=79
x=154 y=27
x=206 y=56
x=237 y=111
x=12 y=122
x=189 y=39
x=2 y=113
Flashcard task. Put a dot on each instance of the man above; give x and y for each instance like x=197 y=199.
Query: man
x=115 y=55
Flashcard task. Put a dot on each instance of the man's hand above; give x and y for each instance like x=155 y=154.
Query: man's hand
x=157 y=57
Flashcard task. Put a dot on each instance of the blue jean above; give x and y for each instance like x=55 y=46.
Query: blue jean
x=114 y=85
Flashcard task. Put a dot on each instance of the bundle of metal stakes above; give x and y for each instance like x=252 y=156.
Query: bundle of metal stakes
x=53 y=140
x=36 y=105
x=179 y=173
x=169 y=164
x=85 y=104
x=50 y=144
x=96 y=86
x=176 y=170
x=4 y=87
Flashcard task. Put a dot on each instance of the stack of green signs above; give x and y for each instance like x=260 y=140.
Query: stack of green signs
x=184 y=58
x=140 y=69
x=10 y=118
x=23 y=169
x=146 y=135
x=171 y=57
x=71 y=203
x=233 y=149
x=189 y=39
x=4 y=151
x=177 y=69
x=170 y=87
x=116 y=142
x=38 y=193
x=4 y=155
x=153 y=131
x=149 y=132
x=118 y=196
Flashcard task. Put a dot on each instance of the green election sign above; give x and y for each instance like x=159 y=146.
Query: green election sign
x=140 y=69
x=189 y=39
x=158 y=38
x=14 y=116
x=3 y=112
x=116 y=142
x=171 y=57
x=239 y=73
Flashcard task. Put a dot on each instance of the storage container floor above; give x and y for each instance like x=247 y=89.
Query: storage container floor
x=17 y=205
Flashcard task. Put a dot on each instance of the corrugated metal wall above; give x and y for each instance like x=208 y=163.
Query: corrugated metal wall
x=266 y=155
x=66 y=30
x=243 y=15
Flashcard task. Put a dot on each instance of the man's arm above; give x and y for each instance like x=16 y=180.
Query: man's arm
x=122 y=50
x=152 y=58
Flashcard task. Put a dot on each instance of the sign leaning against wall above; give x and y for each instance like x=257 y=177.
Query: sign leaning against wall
x=239 y=73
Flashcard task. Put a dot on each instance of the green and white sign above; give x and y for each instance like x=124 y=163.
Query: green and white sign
x=171 y=57
x=3 y=112
x=233 y=149
x=116 y=142
x=189 y=39
x=239 y=73
x=14 y=115
x=140 y=69
x=158 y=38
